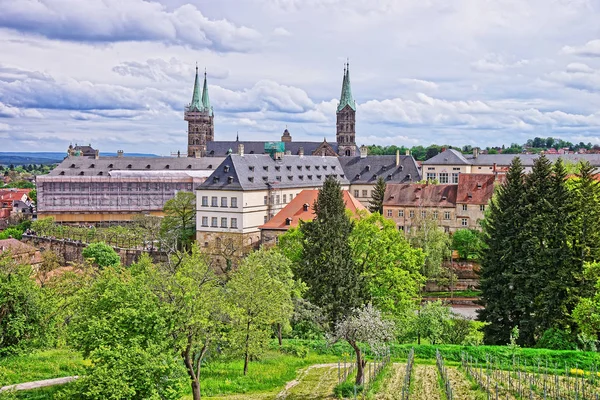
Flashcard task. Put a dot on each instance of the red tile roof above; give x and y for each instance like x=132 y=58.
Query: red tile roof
x=476 y=188
x=420 y=195
x=13 y=194
x=295 y=210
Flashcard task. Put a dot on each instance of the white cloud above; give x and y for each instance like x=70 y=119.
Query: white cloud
x=496 y=63
x=590 y=49
x=279 y=31
x=125 y=20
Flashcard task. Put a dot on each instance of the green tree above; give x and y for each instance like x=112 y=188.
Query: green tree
x=428 y=236
x=335 y=282
x=179 y=223
x=118 y=323
x=33 y=195
x=191 y=300
x=502 y=235
x=468 y=243
x=22 y=307
x=391 y=267
x=259 y=297
x=587 y=311
x=102 y=255
x=12 y=232
x=378 y=195
x=431 y=320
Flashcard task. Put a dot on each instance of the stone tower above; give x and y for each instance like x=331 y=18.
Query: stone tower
x=346 y=118
x=200 y=118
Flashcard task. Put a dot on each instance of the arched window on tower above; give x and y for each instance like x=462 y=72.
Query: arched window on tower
x=347 y=152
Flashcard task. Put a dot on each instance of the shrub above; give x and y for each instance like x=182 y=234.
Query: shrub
x=294 y=350
x=346 y=390
x=102 y=254
x=556 y=339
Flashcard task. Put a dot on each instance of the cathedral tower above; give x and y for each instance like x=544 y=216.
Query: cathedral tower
x=346 y=118
x=200 y=118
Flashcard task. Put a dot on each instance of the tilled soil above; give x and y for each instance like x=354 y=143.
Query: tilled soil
x=392 y=387
x=425 y=383
x=316 y=382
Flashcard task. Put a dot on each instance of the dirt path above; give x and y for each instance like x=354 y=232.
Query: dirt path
x=392 y=387
x=315 y=382
x=462 y=388
x=425 y=383
x=38 y=384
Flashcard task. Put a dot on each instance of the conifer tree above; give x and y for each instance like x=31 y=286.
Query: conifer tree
x=334 y=281
x=376 y=202
x=502 y=237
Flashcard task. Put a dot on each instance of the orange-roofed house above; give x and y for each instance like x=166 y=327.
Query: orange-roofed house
x=300 y=209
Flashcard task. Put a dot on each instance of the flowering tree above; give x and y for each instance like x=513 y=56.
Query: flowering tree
x=365 y=325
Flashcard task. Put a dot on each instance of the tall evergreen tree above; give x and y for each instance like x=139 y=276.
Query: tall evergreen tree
x=377 y=197
x=502 y=237
x=530 y=276
x=334 y=281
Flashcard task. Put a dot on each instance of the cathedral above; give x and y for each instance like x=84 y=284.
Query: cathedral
x=201 y=130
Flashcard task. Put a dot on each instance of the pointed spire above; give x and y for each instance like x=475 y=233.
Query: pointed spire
x=205 y=99
x=196 y=105
x=346 y=96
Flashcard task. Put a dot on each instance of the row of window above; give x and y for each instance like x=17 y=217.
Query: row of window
x=365 y=193
x=443 y=177
x=114 y=187
x=107 y=201
x=435 y=214
x=214 y=222
x=277 y=199
x=288 y=167
x=214 y=201
x=463 y=222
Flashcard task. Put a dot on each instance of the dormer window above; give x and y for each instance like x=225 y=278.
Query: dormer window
x=479 y=186
x=189 y=166
x=266 y=167
x=299 y=167
x=289 y=167
x=62 y=172
x=110 y=165
x=307 y=167
x=288 y=221
x=265 y=178
x=389 y=177
x=226 y=168
x=290 y=177
x=401 y=167
x=278 y=178
x=342 y=176
x=129 y=166
x=251 y=168
x=319 y=176
x=470 y=195
x=444 y=197
x=324 y=166
x=277 y=168
x=230 y=179
x=167 y=166
x=368 y=167
x=93 y=166
x=317 y=167
x=81 y=173
x=309 y=177
x=216 y=179
x=72 y=165
x=333 y=167
x=305 y=206
x=374 y=176
x=301 y=177
x=148 y=166
x=357 y=176
x=209 y=166
x=100 y=173
x=250 y=179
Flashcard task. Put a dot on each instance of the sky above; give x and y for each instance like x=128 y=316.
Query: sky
x=117 y=74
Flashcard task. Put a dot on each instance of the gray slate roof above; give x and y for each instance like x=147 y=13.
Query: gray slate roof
x=221 y=148
x=257 y=171
x=89 y=166
x=448 y=157
x=368 y=169
x=454 y=157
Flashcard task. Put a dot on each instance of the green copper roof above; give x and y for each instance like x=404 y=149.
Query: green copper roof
x=346 y=97
x=205 y=99
x=195 y=105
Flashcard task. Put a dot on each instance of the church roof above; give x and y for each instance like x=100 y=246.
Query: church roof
x=221 y=148
x=196 y=104
x=205 y=98
x=346 y=98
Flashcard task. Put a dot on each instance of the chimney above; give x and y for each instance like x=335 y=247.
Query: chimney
x=120 y=153
x=241 y=149
x=443 y=150
x=397 y=158
x=97 y=155
x=301 y=151
x=407 y=152
x=178 y=154
x=363 y=151
x=475 y=152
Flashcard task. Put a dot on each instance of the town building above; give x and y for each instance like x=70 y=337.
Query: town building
x=247 y=190
x=14 y=203
x=447 y=165
x=96 y=189
x=453 y=206
x=300 y=209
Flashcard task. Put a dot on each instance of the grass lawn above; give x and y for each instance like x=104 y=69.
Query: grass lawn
x=269 y=374
x=46 y=364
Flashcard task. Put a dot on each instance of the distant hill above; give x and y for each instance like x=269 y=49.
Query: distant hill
x=23 y=158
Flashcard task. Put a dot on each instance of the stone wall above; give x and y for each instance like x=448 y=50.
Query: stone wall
x=71 y=251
